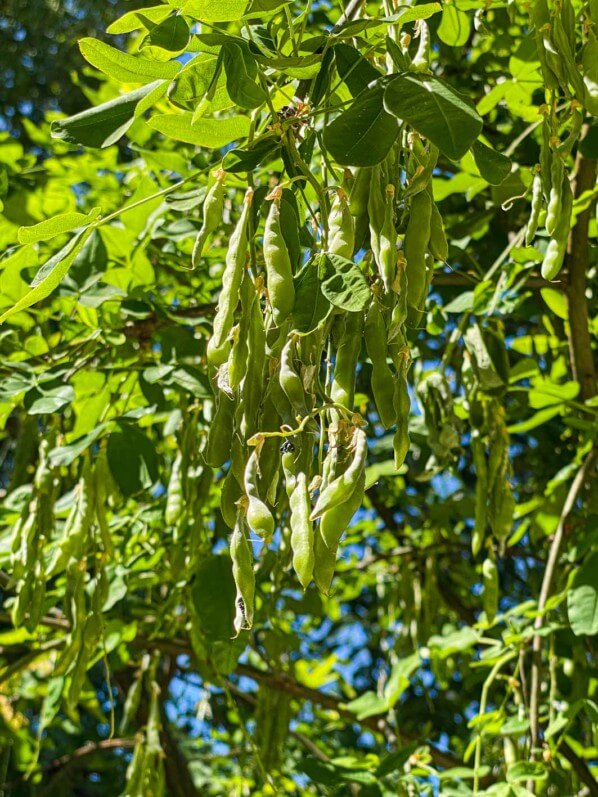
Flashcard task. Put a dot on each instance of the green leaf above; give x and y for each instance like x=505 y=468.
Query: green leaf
x=367 y=705
x=50 y=275
x=105 y=124
x=461 y=303
x=484 y=367
x=343 y=283
x=193 y=81
x=453 y=642
x=57 y=225
x=455 y=26
x=353 y=68
x=413 y=13
x=526 y=770
x=257 y=8
x=165 y=39
x=302 y=67
x=213 y=594
x=245 y=160
x=311 y=306
x=435 y=110
x=395 y=760
x=492 y=165
x=66 y=455
x=556 y=302
x=582 y=598
x=463 y=773
x=378 y=470
x=124 y=67
x=290 y=224
x=537 y=419
x=364 y=133
x=191 y=379
x=215 y=10
x=546 y=394
x=52 y=401
x=131 y=21
x=132 y=459
x=211 y=133
x=398 y=680
x=241 y=73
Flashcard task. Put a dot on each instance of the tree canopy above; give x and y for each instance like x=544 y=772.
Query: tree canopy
x=298 y=405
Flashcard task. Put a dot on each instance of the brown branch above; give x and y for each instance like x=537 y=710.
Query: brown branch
x=378 y=724
x=71 y=759
x=574 y=491
x=581 y=768
x=179 y=781
x=580 y=345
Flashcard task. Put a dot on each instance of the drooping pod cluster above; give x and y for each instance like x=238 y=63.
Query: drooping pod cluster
x=571 y=75
x=283 y=427
x=551 y=193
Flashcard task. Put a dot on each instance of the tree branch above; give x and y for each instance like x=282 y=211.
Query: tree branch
x=58 y=767
x=553 y=556
x=580 y=767
x=580 y=345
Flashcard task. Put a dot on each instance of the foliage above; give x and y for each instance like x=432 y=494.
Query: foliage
x=299 y=274
x=39 y=55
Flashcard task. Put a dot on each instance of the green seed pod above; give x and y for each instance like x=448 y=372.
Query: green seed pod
x=577 y=116
x=131 y=705
x=557 y=246
x=360 y=191
x=382 y=377
x=35 y=605
x=243 y=574
x=438 y=245
x=290 y=381
x=348 y=181
x=174 y=500
x=491 y=588
x=213 y=208
x=229 y=495
x=302 y=532
x=376 y=212
x=253 y=383
x=237 y=361
x=43 y=475
x=589 y=60
x=536 y=208
x=546 y=157
x=341 y=228
x=259 y=517
x=421 y=60
x=279 y=271
x=342 y=390
x=563 y=36
x=232 y=277
x=400 y=311
x=400 y=440
x=335 y=521
x=342 y=487
x=556 y=193
x=102 y=482
x=387 y=264
x=481 y=494
x=425 y=163
x=417 y=238
x=270 y=452
x=221 y=432
x=324 y=563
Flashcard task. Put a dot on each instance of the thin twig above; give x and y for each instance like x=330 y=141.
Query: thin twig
x=553 y=556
